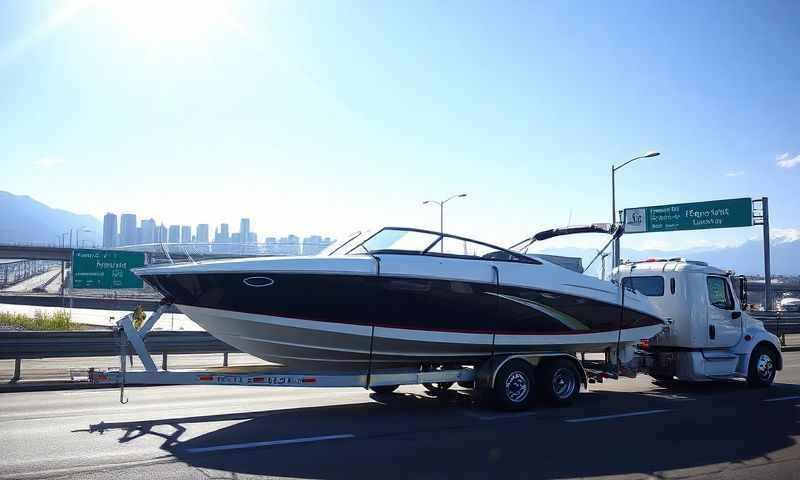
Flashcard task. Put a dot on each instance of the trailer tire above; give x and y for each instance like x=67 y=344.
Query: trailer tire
x=513 y=388
x=384 y=389
x=437 y=388
x=763 y=364
x=558 y=381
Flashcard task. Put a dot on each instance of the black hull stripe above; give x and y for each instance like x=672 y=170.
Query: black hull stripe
x=445 y=330
x=399 y=302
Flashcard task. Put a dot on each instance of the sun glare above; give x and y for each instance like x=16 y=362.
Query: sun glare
x=156 y=22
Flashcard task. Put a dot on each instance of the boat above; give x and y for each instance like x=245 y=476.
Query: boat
x=404 y=297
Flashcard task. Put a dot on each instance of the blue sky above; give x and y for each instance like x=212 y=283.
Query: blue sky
x=329 y=116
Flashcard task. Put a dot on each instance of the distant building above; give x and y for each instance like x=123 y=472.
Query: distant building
x=174 y=234
x=109 y=230
x=186 y=234
x=235 y=238
x=202 y=233
x=128 y=234
x=148 y=231
x=289 y=245
x=162 y=234
x=222 y=235
x=244 y=230
x=314 y=244
x=253 y=238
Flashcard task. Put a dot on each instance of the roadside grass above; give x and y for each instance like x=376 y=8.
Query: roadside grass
x=60 y=320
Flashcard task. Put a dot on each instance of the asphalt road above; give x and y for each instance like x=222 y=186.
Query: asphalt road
x=625 y=429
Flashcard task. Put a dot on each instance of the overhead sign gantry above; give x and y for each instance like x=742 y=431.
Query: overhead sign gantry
x=727 y=213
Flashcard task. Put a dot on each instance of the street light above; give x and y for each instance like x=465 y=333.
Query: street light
x=82 y=229
x=614 y=169
x=441 y=212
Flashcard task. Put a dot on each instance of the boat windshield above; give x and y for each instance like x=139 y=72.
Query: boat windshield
x=340 y=246
x=425 y=242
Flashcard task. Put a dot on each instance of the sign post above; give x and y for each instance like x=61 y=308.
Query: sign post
x=106 y=269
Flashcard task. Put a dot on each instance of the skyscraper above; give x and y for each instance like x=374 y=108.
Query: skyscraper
x=202 y=233
x=109 y=230
x=222 y=235
x=127 y=229
x=244 y=230
x=148 y=231
x=174 y=234
x=161 y=234
x=186 y=234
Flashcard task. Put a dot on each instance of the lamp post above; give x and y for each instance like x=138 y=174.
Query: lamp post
x=77 y=232
x=441 y=212
x=614 y=200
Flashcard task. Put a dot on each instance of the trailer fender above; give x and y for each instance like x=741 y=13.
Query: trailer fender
x=486 y=373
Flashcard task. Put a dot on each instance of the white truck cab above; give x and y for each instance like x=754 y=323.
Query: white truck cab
x=708 y=336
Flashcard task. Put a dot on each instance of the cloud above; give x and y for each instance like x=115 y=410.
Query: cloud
x=736 y=173
x=48 y=162
x=784 y=161
x=784 y=235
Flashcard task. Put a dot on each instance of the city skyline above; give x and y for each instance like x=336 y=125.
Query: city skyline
x=150 y=232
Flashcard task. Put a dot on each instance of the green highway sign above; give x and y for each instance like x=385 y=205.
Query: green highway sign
x=106 y=269
x=735 y=212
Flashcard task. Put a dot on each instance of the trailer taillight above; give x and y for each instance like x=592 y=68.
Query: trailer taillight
x=644 y=344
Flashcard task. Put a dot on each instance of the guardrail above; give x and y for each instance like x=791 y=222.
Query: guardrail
x=18 y=346
x=779 y=323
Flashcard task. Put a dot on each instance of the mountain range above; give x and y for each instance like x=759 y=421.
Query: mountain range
x=746 y=259
x=28 y=221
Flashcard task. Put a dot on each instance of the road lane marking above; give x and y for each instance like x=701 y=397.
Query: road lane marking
x=238 y=446
x=619 y=415
x=779 y=399
x=498 y=417
x=670 y=396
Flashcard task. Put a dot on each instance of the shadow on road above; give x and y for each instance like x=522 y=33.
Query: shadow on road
x=407 y=435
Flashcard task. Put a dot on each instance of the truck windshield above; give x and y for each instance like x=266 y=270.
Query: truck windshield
x=650 y=286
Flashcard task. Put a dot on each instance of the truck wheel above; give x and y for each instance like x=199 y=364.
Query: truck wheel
x=762 y=367
x=558 y=381
x=437 y=388
x=384 y=389
x=513 y=386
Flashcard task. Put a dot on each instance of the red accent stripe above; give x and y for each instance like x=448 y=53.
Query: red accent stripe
x=309 y=380
x=205 y=378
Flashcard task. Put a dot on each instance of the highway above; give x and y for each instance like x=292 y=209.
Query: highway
x=625 y=429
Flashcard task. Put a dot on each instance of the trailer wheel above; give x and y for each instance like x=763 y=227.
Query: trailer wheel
x=437 y=388
x=558 y=381
x=762 y=367
x=384 y=389
x=513 y=386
